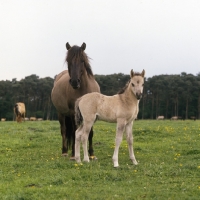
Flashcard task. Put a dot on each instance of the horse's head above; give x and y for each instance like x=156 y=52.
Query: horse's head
x=76 y=60
x=137 y=83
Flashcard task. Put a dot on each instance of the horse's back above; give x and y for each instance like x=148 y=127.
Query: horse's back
x=65 y=72
x=58 y=93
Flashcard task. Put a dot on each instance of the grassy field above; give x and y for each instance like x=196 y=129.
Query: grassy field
x=168 y=152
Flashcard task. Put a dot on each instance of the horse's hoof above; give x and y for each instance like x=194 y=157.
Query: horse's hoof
x=72 y=158
x=64 y=154
x=93 y=158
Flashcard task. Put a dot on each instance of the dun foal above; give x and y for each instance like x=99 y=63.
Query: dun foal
x=121 y=108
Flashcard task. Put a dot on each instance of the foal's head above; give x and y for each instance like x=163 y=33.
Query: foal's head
x=137 y=83
x=78 y=62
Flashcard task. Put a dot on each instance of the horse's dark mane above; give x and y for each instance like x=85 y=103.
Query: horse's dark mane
x=122 y=90
x=77 y=53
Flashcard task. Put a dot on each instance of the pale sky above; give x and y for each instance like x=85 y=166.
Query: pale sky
x=160 y=36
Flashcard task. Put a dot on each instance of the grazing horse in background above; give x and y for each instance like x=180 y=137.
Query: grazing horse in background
x=19 y=110
x=174 y=118
x=33 y=119
x=160 y=118
x=193 y=118
x=121 y=108
x=69 y=85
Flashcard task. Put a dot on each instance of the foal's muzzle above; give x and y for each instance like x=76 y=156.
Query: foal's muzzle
x=75 y=83
x=138 y=96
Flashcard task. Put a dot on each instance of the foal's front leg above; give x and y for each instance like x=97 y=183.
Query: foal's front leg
x=129 y=138
x=118 y=140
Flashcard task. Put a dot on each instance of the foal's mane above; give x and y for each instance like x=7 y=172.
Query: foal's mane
x=122 y=90
x=77 y=53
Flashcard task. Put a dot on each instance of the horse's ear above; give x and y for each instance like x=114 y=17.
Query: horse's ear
x=68 y=46
x=132 y=74
x=83 y=46
x=143 y=73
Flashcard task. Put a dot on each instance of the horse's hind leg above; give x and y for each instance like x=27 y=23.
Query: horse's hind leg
x=129 y=138
x=61 y=119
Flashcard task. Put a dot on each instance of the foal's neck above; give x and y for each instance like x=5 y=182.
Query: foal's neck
x=129 y=97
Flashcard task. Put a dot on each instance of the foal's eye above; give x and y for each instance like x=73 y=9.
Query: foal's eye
x=132 y=84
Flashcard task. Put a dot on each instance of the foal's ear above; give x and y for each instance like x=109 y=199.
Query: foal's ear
x=83 y=46
x=68 y=46
x=143 y=73
x=132 y=73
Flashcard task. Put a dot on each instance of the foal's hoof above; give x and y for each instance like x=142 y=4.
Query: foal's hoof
x=64 y=154
x=135 y=162
x=93 y=158
x=72 y=158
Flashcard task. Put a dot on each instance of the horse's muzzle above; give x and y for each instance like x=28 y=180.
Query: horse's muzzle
x=75 y=83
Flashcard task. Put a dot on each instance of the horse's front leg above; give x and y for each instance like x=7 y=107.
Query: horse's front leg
x=129 y=138
x=61 y=119
x=91 y=151
x=118 y=140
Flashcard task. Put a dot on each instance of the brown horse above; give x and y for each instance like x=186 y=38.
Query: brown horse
x=69 y=85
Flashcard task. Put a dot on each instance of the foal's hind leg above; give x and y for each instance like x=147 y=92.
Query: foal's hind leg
x=129 y=138
x=84 y=138
x=78 y=134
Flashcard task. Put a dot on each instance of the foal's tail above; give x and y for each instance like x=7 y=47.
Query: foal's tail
x=78 y=116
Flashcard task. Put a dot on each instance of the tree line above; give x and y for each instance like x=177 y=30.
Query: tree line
x=167 y=95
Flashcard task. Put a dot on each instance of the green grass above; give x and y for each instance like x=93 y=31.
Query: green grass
x=168 y=152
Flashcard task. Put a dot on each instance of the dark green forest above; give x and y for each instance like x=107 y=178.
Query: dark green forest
x=168 y=95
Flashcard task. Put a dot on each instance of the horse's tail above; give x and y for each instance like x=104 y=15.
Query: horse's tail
x=78 y=116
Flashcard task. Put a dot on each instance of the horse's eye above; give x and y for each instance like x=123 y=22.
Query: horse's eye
x=142 y=85
x=132 y=84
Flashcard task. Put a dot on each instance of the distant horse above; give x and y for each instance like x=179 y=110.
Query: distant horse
x=174 y=118
x=19 y=110
x=193 y=118
x=122 y=108
x=160 y=118
x=69 y=85
x=33 y=119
